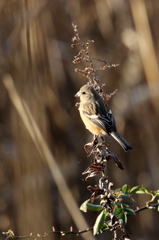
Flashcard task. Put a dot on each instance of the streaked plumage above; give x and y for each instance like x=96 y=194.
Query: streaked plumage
x=97 y=116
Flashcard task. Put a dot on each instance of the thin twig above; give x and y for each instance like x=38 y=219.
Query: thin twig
x=10 y=234
x=145 y=207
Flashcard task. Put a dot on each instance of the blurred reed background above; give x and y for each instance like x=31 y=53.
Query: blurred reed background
x=37 y=90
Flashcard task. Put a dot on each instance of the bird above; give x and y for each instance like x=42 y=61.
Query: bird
x=97 y=116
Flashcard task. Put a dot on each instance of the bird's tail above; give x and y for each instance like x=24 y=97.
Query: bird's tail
x=122 y=141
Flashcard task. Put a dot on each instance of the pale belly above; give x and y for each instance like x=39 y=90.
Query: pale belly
x=93 y=128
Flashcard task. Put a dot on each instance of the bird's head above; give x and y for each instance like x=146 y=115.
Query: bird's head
x=86 y=93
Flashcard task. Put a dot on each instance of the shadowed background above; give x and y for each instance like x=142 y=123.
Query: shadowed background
x=36 y=64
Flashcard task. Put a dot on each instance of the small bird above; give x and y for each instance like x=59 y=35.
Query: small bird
x=97 y=116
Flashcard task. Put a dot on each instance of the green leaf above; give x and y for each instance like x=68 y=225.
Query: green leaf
x=147 y=190
x=134 y=189
x=118 y=211
x=94 y=207
x=127 y=203
x=143 y=190
x=126 y=188
x=123 y=216
x=105 y=227
x=123 y=203
x=151 y=207
x=129 y=211
x=157 y=193
x=140 y=192
x=153 y=198
x=118 y=203
x=83 y=207
x=99 y=221
x=117 y=190
x=125 y=196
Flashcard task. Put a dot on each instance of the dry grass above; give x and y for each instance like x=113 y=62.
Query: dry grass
x=35 y=51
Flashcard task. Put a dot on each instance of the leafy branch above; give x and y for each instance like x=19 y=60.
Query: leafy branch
x=10 y=233
x=114 y=209
x=84 y=207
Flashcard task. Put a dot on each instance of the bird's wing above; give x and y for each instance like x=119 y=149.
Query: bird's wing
x=102 y=116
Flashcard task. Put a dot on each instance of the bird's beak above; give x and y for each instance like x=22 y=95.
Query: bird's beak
x=77 y=94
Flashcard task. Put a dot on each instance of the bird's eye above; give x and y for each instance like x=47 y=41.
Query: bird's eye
x=83 y=93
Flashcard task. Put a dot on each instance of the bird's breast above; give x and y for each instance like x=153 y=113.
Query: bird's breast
x=92 y=127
